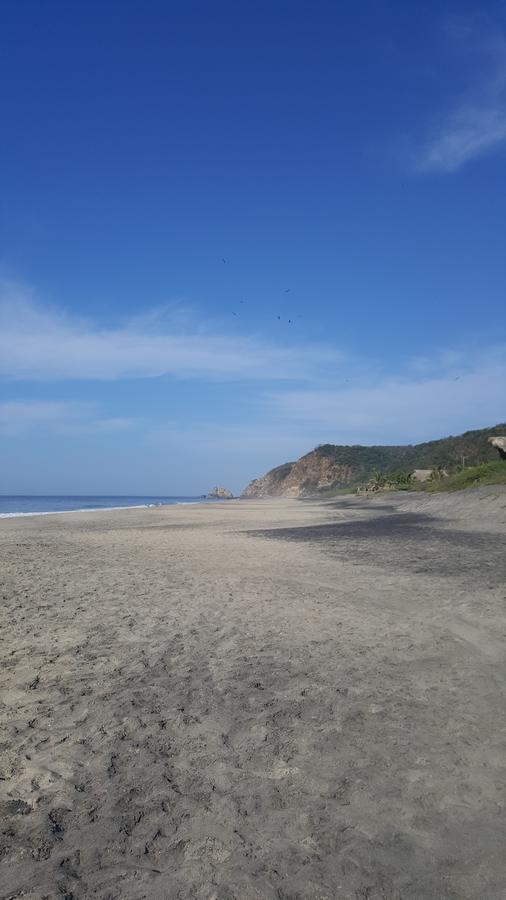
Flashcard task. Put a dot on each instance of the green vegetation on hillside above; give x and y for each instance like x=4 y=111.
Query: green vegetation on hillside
x=331 y=469
x=399 y=481
x=469 y=476
x=468 y=449
x=472 y=476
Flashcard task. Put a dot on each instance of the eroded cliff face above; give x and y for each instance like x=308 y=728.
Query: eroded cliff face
x=269 y=485
x=300 y=479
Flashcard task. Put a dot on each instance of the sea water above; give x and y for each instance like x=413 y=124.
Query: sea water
x=45 y=505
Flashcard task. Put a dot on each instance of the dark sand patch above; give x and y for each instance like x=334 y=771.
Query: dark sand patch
x=408 y=542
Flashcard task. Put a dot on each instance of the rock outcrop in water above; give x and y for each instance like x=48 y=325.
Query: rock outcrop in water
x=220 y=493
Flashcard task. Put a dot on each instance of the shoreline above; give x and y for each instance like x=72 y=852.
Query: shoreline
x=96 y=509
x=62 y=512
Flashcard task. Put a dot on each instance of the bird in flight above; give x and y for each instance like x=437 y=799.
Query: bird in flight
x=287 y=291
x=223 y=259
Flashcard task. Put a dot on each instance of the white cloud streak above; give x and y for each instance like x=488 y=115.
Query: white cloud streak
x=18 y=417
x=403 y=409
x=451 y=393
x=476 y=125
x=470 y=132
x=38 y=343
x=432 y=396
x=260 y=438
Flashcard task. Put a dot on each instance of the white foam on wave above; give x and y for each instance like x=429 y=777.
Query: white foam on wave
x=61 y=512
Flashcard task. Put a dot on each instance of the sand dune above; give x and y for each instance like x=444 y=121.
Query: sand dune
x=260 y=699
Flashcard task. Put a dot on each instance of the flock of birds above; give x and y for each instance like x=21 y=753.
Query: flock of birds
x=291 y=321
x=279 y=318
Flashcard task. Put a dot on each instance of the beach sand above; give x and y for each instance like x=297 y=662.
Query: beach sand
x=256 y=699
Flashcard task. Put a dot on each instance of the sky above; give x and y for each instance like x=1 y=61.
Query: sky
x=232 y=231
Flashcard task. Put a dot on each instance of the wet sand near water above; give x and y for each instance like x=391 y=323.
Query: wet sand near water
x=255 y=699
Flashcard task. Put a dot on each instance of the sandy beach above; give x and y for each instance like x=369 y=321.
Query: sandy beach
x=256 y=699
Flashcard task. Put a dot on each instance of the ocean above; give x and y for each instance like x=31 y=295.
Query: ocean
x=39 y=505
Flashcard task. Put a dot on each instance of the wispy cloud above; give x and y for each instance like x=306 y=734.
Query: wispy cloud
x=42 y=343
x=476 y=124
x=260 y=438
x=72 y=419
x=469 y=132
x=403 y=409
x=436 y=396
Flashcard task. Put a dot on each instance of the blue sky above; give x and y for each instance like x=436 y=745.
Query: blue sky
x=229 y=232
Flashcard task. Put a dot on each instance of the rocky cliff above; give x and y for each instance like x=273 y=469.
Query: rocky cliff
x=308 y=475
x=333 y=466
